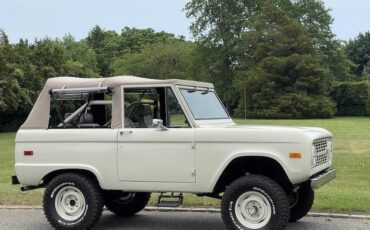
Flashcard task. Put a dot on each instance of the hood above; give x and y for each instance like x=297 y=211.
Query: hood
x=279 y=127
x=268 y=133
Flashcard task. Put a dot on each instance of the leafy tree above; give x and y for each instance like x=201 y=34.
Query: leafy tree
x=281 y=76
x=352 y=98
x=3 y=37
x=218 y=25
x=211 y=65
x=358 y=50
x=48 y=57
x=134 y=40
x=96 y=37
x=25 y=68
x=15 y=90
x=339 y=65
x=105 y=44
x=316 y=21
x=63 y=57
x=81 y=59
x=108 y=44
x=159 y=61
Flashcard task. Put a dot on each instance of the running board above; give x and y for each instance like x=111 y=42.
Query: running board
x=170 y=200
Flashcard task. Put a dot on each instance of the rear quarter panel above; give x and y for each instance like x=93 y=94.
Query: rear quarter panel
x=90 y=149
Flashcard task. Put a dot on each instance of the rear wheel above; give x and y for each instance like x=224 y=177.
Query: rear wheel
x=301 y=202
x=124 y=203
x=72 y=201
x=255 y=202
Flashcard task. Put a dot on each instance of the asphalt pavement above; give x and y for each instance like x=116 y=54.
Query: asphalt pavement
x=154 y=220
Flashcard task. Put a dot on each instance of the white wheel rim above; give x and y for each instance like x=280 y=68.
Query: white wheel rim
x=70 y=203
x=253 y=210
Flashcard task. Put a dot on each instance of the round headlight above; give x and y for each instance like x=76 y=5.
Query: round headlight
x=313 y=155
x=330 y=151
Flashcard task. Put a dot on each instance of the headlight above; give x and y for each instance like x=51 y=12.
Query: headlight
x=330 y=151
x=313 y=155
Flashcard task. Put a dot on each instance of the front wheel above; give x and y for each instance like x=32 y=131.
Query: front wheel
x=255 y=202
x=301 y=202
x=72 y=201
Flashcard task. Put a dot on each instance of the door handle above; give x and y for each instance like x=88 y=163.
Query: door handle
x=125 y=132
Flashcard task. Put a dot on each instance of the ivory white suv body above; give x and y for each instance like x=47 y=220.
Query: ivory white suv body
x=112 y=141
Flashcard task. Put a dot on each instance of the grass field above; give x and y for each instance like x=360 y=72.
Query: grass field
x=349 y=193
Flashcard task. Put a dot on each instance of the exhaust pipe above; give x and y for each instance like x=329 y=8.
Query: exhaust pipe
x=29 y=188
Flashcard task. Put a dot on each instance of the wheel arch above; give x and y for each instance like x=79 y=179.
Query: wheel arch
x=84 y=171
x=252 y=163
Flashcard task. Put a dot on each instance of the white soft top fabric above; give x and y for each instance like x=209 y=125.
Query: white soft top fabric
x=75 y=82
x=39 y=116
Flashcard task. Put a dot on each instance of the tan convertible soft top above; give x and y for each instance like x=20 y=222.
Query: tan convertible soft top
x=39 y=116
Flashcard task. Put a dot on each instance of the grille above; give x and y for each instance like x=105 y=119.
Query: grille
x=321 y=159
x=320 y=145
x=321 y=154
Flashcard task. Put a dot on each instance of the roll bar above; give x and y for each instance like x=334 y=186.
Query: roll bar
x=77 y=92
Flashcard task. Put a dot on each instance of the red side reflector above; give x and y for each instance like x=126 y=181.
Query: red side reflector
x=28 y=152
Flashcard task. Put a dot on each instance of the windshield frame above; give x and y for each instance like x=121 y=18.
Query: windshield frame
x=204 y=89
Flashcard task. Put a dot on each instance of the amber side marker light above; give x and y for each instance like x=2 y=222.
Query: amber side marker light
x=295 y=155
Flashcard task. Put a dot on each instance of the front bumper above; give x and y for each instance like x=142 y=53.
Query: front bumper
x=322 y=178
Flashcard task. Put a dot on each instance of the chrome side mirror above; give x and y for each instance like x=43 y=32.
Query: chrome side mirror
x=158 y=124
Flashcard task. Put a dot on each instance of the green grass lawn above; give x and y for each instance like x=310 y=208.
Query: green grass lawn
x=349 y=193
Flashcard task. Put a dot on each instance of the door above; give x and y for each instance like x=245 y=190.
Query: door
x=147 y=154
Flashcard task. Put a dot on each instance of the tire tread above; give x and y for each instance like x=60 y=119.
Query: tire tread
x=256 y=180
x=94 y=191
x=304 y=205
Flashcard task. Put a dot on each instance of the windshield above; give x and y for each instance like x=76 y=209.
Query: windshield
x=204 y=104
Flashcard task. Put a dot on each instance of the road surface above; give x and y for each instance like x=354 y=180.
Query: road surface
x=154 y=220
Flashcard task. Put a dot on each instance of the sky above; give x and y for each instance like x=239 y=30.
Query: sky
x=54 y=18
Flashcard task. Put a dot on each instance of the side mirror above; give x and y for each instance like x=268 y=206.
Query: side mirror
x=158 y=124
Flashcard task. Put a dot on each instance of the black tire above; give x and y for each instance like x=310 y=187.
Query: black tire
x=270 y=191
x=58 y=189
x=125 y=204
x=302 y=202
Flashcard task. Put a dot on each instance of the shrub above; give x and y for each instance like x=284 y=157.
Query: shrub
x=352 y=98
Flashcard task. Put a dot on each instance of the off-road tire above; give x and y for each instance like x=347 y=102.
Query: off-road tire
x=303 y=204
x=272 y=191
x=126 y=208
x=92 y=196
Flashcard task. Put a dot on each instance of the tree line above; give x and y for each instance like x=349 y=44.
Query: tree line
x=266 y=58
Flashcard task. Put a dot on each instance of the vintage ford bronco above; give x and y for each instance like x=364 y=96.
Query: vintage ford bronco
x=95 y=142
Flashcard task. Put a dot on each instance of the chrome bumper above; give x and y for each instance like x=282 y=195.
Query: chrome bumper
x=322 y=178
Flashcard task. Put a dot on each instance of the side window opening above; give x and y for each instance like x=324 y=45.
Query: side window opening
x=142 y=105
x=80 y=110
x=176 y=116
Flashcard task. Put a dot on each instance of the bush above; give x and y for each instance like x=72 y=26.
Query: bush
x=289 y=106
x=352 y=98
x=11 y=121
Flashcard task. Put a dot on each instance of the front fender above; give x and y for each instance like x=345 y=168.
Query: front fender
x=294 y=177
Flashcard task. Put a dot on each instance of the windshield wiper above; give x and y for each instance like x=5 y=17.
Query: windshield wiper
x=205 y=92
x=195 y=89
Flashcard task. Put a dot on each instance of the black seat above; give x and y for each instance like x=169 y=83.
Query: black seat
x=145 y=116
